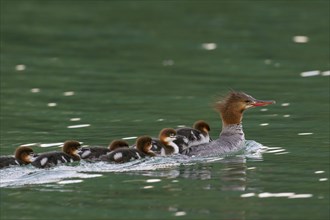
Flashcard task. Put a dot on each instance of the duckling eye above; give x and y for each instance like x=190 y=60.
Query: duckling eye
x=247 y=101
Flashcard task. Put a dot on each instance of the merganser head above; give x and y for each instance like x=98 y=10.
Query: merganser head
x=117 y=144
x=72 y=148
x=167 y=135
x=24 y=155
x=234 y=104
x=202 y=126
x=144 y=144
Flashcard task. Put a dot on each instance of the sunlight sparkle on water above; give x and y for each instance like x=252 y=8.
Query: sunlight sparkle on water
x=79 y=126
x=310 y=73
x=52 y=104
x=285 y=104
x=35 y=90
x=129 y=138
x=326 y=73
x=75 y=119
x=69 y=93
x=181 y=213
x=300 y=39
x=289 y=195
x=319 y=171
x=51 y=144
x=153 y=180
x=209 y=46
x=69 y=181
x=20 y=67
x=264 y=124
x=305 y=133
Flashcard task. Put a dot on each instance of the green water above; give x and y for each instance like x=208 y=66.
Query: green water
x=135 y=67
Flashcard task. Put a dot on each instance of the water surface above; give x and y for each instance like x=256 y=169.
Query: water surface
x=98 y=71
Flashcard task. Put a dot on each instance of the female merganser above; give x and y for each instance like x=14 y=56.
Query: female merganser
x=199 y=134
x=69 y=154
x=231 y=138
x=23 y=156
x=124 y=154
x=93 y=153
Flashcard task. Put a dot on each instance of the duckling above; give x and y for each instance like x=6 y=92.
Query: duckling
x=69 y=154
x=94 y=153
x=232 y=137
x=124 y=154
x=199 y=134
x=23 y=156
x=167 y=136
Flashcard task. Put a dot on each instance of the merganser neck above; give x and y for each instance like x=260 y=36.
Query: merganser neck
x=232 y=129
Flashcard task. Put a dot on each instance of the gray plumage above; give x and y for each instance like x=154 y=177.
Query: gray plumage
x=231 y=139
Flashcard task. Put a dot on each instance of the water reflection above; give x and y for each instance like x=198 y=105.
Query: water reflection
x=232 y=175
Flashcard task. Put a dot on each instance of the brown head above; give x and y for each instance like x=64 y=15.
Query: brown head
x=202 y=126
x=167 y=135
x=24 y=154
x=234 y=104
x=117 y=144
x=71 y=148
x=144 y=144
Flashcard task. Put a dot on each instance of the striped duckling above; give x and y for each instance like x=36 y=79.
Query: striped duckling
x=94 y=153
x=126 y=154
x=69 y=154
x=23 y=155
x=198 y=134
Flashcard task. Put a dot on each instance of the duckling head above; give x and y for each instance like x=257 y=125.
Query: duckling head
x=24 y=154
x=72 y=147
x=202 y=126
x=167 y=135
x=144 y=144
x=117 y=144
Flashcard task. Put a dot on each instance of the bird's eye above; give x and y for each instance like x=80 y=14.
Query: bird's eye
x=247 y=101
